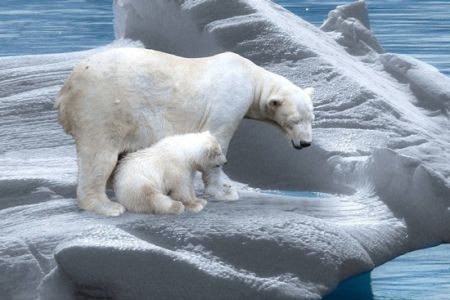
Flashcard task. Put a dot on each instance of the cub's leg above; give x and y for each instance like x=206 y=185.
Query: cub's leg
x=185 y=193
x=218 y=184
x=146 y=199
x=94 y=168
x=162 y=204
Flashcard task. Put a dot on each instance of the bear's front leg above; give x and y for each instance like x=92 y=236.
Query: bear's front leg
x=186 y=194
x=218 y=185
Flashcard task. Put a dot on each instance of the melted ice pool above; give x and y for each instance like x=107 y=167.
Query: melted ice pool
x=421 y=274
x=301 y=194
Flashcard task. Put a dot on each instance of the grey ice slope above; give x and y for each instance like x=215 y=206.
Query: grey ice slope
x=381 y=141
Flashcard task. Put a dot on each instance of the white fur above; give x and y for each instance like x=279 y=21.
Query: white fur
x=126 y=99
x=160 y=179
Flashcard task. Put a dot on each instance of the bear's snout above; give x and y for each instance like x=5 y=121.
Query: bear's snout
x=301 y=146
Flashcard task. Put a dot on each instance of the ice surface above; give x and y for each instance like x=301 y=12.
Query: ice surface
x=380 y=148
x=431 y=87
x=18 y=265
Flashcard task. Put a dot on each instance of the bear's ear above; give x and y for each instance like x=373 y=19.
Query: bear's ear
x=309 y=91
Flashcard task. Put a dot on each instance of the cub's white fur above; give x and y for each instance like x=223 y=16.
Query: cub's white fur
x=127 y=99
x=160 y=179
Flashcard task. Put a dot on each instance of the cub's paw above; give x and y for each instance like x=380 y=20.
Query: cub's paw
x=110 y=209
x=176 y=208
x=196 y=206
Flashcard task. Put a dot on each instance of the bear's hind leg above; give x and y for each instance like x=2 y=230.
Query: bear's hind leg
x=94 y=169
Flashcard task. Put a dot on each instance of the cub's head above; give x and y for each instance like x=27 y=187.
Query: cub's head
x=292 y=110
x=211 y=153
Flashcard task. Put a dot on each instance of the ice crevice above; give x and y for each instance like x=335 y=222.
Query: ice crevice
x=20 y=265
x=379 y=159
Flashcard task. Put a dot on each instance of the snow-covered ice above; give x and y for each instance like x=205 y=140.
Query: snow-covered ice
x=380 y=151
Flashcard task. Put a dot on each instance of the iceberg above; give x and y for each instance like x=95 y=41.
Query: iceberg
x=379 y=161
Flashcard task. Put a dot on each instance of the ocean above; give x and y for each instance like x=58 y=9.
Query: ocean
x=413 y=27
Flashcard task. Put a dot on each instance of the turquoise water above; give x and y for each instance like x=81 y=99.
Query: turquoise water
x=302 y=194
x=421 y=274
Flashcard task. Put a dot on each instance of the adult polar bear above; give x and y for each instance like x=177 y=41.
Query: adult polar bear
x=126 y=99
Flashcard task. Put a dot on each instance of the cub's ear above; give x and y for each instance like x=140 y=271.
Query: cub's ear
x=206 y=134
x=309 y=91
x=212 y=149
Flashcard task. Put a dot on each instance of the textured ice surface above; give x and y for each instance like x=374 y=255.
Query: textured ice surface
x=380 y=148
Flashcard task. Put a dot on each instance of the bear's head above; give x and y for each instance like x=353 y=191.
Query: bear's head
x=211 y=155
x=291 y=109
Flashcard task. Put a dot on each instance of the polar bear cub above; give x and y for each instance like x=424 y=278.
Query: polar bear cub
x=160 y=179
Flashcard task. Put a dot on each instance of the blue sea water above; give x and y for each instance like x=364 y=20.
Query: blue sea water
x=420 y=28
x=54 y=26
x=415 y=27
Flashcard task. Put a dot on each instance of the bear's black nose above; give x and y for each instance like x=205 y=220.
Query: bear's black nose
x=304 y=144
